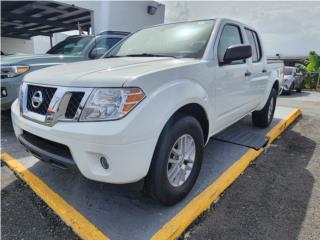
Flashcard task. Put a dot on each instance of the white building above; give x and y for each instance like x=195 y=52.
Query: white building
x=128 y=16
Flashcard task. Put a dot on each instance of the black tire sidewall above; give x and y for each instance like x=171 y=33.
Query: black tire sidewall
x=260 y=118
x=273 y=95
x=175 y=128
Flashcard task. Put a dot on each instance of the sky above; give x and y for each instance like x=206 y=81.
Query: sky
x=288 y=28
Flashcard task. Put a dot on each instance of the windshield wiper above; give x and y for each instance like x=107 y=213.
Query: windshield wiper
x=113 y=56
x=140 y=55
x=149 y=55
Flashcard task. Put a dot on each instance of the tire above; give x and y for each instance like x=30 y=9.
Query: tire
x=264 y=117
x=158 y=183
x=281 y=92
x=292 y=87
x=299 y=89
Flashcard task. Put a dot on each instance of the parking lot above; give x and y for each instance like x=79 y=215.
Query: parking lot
x=276 y=197
x=161 y=120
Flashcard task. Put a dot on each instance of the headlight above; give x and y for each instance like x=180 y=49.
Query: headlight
x=13 y=71
x=111 y=103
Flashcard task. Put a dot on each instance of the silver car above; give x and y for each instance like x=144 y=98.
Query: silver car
x=73 y=49
x=292 y=80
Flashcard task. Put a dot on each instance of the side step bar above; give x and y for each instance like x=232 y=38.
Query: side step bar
x=243 y=137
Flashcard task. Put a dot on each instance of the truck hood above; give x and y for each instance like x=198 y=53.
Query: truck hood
x=34 y=59
x=108 y=72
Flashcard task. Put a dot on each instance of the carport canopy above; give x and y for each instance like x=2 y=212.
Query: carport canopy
x=24 y=19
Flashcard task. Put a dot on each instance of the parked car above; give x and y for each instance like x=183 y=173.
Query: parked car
x=148 y=108
x=72 y=49
x=293 y=80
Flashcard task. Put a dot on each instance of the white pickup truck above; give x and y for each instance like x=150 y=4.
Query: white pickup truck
x=148 y=108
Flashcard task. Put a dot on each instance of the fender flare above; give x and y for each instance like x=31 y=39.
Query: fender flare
x=185 y=92
x=269 y=88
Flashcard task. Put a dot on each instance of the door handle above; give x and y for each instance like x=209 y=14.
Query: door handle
x=264 y=70
x=247 y=74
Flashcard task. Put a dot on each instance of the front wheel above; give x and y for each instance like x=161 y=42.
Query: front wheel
x=264 y=117
x=177 y=160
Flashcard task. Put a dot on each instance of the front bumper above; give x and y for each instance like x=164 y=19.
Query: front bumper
x=11 y=86
x=286 y=84
x=128 y=160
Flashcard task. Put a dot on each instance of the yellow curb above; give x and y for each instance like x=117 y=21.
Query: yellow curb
x=173 y=228
x=79 y=224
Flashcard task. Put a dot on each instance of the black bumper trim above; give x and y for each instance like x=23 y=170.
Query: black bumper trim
x=46 y=156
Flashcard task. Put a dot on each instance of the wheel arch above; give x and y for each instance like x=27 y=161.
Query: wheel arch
x=198 y=112
x=275 y=85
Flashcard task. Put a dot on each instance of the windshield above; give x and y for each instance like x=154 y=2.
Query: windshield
x=71 y=45
x=288 y=71
x=188 y=39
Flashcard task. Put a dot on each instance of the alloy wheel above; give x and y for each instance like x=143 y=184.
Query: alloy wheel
x=181 y=160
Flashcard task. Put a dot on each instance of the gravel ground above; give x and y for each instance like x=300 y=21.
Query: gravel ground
x=276 y=198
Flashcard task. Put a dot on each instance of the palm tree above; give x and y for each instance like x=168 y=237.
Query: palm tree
x=311 y=70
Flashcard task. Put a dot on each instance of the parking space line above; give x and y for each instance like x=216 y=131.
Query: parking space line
x=174 y=227
x=79 y=224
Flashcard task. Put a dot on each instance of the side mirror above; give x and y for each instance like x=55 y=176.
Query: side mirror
x=97 y=52
x=237 y=52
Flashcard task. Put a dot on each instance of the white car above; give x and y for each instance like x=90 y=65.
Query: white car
x=148 y=108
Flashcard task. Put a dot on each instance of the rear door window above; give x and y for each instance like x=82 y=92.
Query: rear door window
x=252 y=42
x=258 y=45
x=255 y=44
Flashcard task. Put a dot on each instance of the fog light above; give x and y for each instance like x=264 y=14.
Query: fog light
x=4 y=92
x=104 y=163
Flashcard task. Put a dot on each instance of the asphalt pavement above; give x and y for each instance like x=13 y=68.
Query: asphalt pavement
x=278 y=196
x=24 y=216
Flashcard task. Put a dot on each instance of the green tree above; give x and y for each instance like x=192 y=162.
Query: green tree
x=311 y=70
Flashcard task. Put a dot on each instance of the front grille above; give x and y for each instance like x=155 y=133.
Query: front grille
x=47 y=94
x=73 y=104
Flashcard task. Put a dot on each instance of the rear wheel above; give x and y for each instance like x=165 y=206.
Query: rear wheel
x=264 y=117
x=291 y=88
x=177 y=160
x=299 y=89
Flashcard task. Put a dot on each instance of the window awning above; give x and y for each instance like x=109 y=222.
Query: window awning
x=24 y=19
